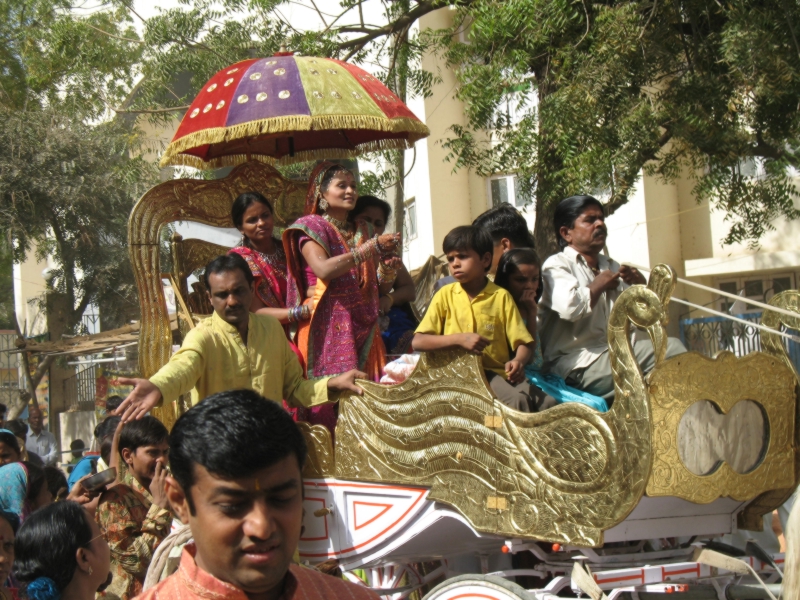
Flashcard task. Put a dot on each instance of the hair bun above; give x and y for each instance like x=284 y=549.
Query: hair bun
x=42 y=588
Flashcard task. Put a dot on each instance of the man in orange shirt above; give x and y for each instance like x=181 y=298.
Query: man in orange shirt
x=236 y=464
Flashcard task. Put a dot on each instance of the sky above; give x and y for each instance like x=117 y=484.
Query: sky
x=299 y=13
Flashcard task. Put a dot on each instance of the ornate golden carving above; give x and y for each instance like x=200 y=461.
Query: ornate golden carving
x=201 y=201
x=563 y=475
x=196 y=254
x=750 y=517
x=682 y=380
x=320 y=462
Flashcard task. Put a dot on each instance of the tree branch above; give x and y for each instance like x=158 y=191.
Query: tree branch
x=420 y=10
x=324 y=22
x=88 y=293
x=111 y=35
x=149 y=111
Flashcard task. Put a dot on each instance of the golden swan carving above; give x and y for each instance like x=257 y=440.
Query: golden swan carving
x=563 y=475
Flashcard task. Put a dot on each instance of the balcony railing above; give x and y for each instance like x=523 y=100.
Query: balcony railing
x=710 y=335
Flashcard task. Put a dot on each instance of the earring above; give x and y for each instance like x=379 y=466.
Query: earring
x=323 y=204
x=90 y=569
x=241 y=242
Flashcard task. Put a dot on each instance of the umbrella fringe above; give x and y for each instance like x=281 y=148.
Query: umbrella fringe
x=415 y=129
x=232 y=160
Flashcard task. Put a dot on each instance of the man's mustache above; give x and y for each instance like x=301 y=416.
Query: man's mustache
x=599 y=232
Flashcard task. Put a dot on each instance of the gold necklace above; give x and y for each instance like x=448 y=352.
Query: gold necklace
x=340 y=225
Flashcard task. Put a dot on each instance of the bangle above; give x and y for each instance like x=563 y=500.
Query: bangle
x=365 y=251
x=299 y=313
x=385 y=277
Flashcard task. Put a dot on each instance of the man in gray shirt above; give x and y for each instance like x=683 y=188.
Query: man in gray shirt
x=41 y=441
x=581 y=286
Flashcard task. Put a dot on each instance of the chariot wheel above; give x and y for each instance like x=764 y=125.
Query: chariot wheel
x=478 y=587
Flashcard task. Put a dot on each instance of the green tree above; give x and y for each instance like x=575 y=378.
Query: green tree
x=66 y=189
x=63 y=53
x=600 y=91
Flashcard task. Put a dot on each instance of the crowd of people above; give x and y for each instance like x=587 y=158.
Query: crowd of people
x=296 y=320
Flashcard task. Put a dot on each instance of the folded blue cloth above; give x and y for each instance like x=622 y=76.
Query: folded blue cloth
x=555 y=386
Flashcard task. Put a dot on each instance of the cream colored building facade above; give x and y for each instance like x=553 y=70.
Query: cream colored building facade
x=662 y=223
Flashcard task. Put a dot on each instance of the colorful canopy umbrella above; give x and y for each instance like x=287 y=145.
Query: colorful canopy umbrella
x=289 y=109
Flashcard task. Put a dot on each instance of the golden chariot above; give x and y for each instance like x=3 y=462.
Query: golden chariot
x=434 y=478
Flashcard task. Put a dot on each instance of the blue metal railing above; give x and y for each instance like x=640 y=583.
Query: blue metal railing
x=710 y=335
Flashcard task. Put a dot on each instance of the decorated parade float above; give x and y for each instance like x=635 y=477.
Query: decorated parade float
x=435 y=480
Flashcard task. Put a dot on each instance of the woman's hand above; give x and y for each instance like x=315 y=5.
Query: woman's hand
x=393 y=262
x=388 y=242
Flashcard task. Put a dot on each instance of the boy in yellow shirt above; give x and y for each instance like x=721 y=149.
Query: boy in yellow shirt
x=481 y=317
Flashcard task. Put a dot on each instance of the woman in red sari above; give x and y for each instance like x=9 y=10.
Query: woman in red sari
x=337 y=272
x=253 y=216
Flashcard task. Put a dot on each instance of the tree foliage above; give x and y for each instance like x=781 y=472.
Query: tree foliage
x=601 y=90
x=66 y=189
x=68 y=173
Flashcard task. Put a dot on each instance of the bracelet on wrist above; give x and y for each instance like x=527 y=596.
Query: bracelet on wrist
x=299 y=313
x=365 y=251
x=385 y=278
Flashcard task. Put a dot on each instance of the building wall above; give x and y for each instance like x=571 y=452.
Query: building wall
x=444 y=198
x=29 y=286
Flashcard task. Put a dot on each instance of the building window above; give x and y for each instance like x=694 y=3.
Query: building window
x=410 y=224
x=499 y=187
x=507 y=189
x=761 y=289
x=781 y=284
x=754 y=288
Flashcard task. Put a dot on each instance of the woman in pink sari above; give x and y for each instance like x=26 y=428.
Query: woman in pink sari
x=337 y=271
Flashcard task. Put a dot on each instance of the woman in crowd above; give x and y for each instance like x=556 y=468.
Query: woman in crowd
x=337 y=272
x=397 y=320
x=20 y=430
x=23 y=489
x=61 y=554
x=9 y=524
x=9 y=448
x=253 y=216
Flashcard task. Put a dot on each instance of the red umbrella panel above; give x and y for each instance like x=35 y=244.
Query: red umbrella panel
x=290 y=109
